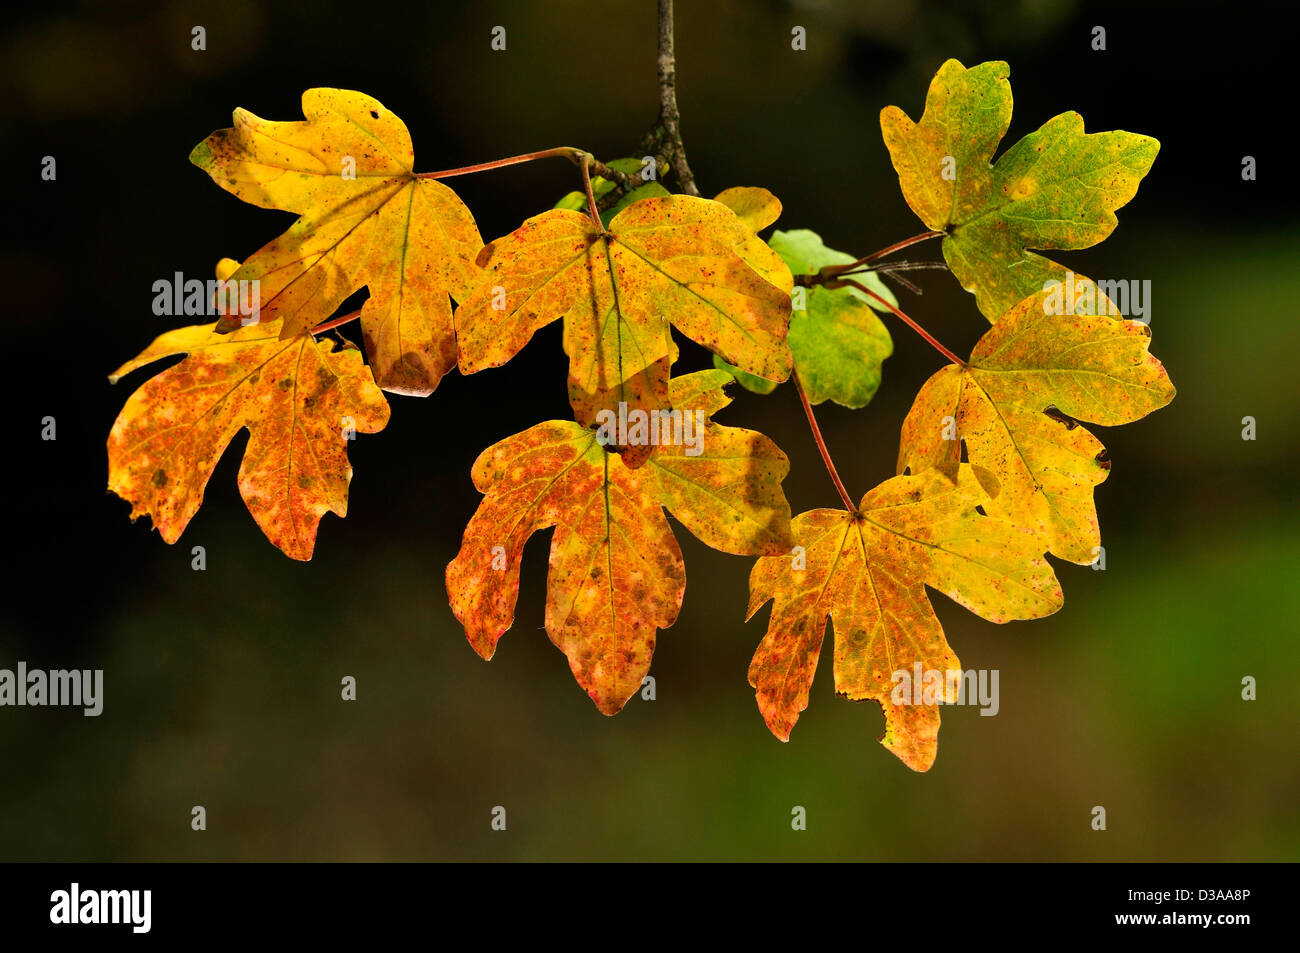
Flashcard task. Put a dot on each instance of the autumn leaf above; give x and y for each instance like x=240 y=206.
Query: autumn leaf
x=757 y=208
x=299 y=399
x=366 y=220
x=1032 y=376
x=1057 y=188
x=669 y=259
x=836 y=341
x=867 y=572
x=616 y=573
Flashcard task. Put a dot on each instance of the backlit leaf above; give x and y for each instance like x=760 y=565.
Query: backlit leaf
x=670 y=259
x=366 y=220
x=867 y=572
x=1016 y=403
x=616 y=573
x=300 y=401
x=1057 y=188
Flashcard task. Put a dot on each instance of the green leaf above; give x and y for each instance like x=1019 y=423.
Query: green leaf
x=575 y=201
x=628 y=166
x=837 y=342
x=751 y=382
x=838 y=345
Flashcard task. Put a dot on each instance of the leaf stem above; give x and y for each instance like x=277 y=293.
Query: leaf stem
x=568 y=152
x=821 y=443
x=934 y=342
x=591 y=196
x=833 y=271
x=336 y=322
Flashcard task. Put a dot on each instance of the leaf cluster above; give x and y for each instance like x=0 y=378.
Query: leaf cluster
x=994 y=470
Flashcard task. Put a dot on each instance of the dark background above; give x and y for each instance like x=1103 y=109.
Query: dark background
x=222 y=687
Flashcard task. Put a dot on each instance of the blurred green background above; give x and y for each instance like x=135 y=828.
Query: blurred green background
x=222 y=687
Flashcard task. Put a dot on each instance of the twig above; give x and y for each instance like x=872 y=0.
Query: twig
x=669 y=117
x=891 y=270
x=891 y=266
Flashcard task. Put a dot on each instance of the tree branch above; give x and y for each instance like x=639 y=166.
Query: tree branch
x=669 y=118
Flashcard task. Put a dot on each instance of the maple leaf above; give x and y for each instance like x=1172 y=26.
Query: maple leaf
x=867 y=572
x=836 y=341
x=367 y=220
x=299 y=398
x=1057 y=188
x=669 y=259
x=1015 y=403
x=616 y=573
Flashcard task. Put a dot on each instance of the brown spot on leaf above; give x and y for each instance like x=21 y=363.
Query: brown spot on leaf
x=1060 y=418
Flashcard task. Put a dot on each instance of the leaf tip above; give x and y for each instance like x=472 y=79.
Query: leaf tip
x=780 y=725
x=201 y=155
x=607 y=705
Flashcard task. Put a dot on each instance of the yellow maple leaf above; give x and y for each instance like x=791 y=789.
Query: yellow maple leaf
x=1015 y=403
x=867 y=571
x=367 y=220
x=673 y=259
